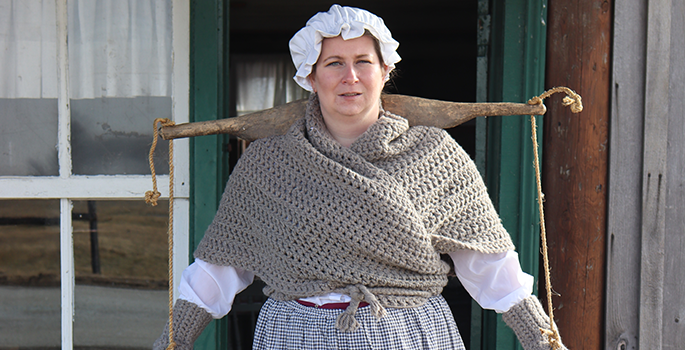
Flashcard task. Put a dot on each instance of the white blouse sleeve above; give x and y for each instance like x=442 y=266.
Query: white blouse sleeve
x=495 y=281
x=213 y=287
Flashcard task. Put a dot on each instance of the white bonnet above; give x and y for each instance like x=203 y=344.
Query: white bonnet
x=350 y=23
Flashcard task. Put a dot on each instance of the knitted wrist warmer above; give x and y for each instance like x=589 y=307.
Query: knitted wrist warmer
x=528 y=320
x=189 y=321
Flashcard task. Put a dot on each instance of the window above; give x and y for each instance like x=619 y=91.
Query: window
x=81 y=83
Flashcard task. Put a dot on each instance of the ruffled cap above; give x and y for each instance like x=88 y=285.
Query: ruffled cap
x=348 y=22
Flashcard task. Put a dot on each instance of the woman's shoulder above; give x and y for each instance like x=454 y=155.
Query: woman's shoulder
x=438 y=142
x=432 y=135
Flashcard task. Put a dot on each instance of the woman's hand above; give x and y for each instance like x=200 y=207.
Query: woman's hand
x=531 y=325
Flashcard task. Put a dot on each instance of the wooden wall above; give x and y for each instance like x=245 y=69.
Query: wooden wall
x=575 y=165
x=645 y=294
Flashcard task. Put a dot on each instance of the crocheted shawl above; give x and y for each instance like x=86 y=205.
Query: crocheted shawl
x=310 y=217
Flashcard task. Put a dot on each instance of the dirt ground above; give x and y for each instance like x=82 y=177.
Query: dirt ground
x=132 y=244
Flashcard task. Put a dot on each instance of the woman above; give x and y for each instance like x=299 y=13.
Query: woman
x=345 y=218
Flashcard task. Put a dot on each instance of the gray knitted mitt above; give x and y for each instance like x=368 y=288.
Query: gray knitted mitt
x=189 y=321
x=527 y=319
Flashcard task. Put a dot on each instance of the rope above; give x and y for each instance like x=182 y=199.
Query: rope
x=572 y=99
x=151 y=198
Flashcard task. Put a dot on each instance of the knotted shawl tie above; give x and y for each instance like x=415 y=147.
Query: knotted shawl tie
x=346 y=321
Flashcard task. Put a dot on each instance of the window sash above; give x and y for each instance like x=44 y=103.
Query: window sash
x=68 y=187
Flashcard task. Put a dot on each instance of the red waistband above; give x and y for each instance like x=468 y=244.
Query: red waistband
x=330 y=305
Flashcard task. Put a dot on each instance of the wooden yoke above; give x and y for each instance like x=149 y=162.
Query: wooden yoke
x=418 y=111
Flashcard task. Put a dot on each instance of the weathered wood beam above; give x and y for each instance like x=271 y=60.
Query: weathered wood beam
x=654 y=175
x=575 y=166
x=418 y=111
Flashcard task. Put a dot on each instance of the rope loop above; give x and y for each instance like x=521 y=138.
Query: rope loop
x=574 y=100
x=151 y=198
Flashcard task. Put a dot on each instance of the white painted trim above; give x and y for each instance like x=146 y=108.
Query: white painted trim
x=181 y=240
x=66 y=249
x=67 y=278
x=88 y=187
x=63 y=105
x=180 y=96
x=181 y=60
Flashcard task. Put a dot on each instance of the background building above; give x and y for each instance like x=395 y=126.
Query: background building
x=82 y=82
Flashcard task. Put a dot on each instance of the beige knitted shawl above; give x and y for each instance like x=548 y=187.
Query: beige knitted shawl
x=310 y=217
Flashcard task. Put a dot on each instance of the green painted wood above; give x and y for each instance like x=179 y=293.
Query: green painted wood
x=515 y=73
x=208 y=58
x=483 y=42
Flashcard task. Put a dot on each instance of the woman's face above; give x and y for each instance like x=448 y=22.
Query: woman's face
x=348 y=78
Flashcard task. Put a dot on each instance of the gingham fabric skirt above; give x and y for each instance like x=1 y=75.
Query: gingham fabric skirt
x=290 y=325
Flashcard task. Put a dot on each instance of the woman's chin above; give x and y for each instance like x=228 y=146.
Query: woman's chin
x=353 y=108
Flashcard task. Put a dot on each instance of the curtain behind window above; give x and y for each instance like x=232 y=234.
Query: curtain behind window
x=120 y=61
x=117 y=48
x=264 y=81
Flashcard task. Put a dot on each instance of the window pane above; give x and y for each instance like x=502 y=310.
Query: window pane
x=28 y=88
x=120 y=81
x=124 y=305
x=29 y=274
x=28 y=137
x=113 y=135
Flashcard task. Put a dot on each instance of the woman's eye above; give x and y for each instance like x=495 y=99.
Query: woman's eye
x=333 y=64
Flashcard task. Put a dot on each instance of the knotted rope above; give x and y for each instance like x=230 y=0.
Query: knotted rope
x=151 y=198
x=572 y=99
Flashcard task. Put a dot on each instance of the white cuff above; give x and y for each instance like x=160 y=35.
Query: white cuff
x=495 y=281
x=213 y=287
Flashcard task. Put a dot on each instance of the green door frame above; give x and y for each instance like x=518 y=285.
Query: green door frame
x=515 y=65
x=208 y=101
x=515 y=73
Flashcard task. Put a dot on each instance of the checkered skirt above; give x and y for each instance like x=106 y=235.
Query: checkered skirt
x=289 y=325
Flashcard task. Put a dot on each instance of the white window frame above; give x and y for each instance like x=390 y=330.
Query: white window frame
x=68 y=187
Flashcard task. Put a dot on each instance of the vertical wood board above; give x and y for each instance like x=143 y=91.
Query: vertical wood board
x=206 y=103
x=674 y=269
x=575 y=166
x=180 y=114
x=645 y=292
x=67 y=274
x=624 y=204
x=654 y=177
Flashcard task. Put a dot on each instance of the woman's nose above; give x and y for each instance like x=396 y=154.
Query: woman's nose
x=350 y=76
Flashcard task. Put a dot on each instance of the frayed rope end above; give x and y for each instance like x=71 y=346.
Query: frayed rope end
x=346 y=322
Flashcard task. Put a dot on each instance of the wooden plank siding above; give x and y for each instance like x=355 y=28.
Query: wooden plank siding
x=624 y=218
x=646 y=226
x=575 y=166
x=674 y=269
x=654 y=179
